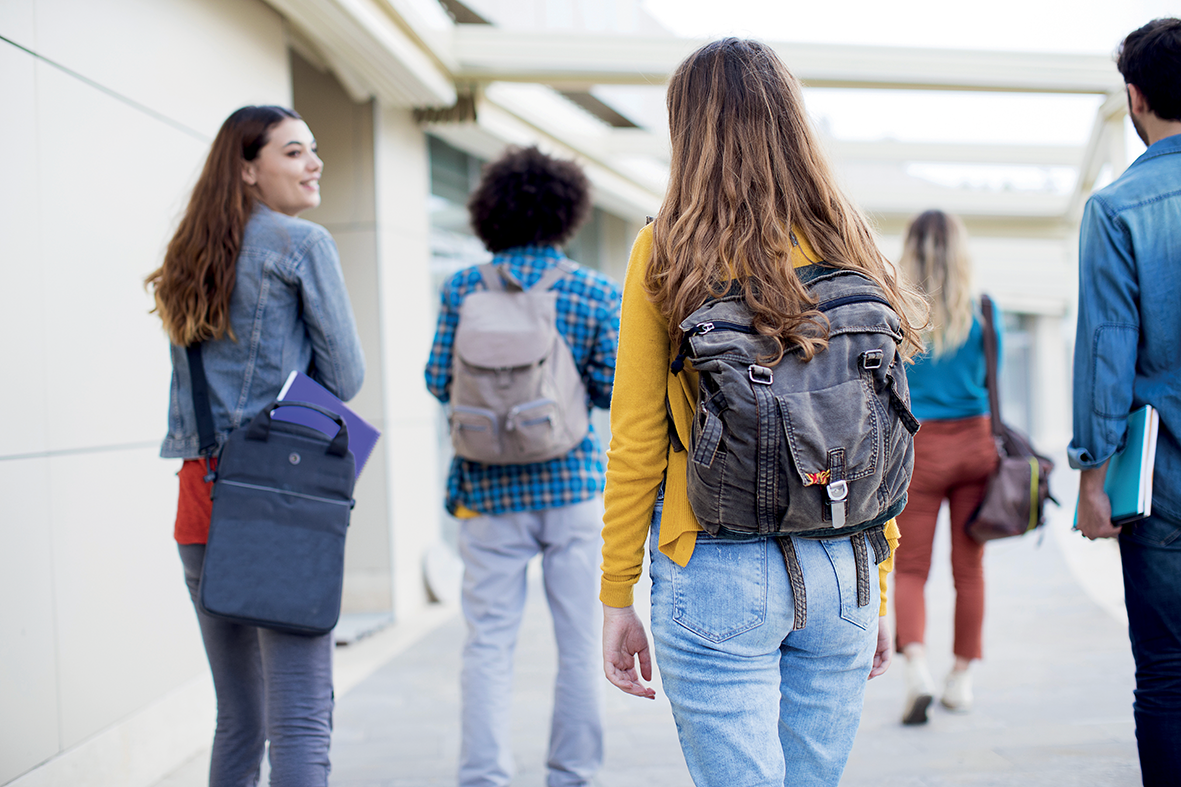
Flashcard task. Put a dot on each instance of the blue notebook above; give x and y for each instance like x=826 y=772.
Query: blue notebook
x=301 y=388
x=1129 y=473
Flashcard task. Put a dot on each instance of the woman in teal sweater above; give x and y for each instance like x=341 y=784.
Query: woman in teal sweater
x=954 y=456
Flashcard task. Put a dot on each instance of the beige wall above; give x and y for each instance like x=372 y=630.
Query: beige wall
x=106 y=120
x=344 y=135
x=374 y=202
x=407 y=328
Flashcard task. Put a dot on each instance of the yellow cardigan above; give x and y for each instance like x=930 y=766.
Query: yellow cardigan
x=641 y=453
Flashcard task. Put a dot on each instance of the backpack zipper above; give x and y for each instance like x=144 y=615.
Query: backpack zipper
x=261 y=488
x=705 y=327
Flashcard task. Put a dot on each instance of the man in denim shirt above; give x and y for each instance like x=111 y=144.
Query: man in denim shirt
x=1128 y=354
x=527 y=205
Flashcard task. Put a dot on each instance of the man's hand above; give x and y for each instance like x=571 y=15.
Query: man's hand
x=885 y=651
x=1094 y=507
x=624 y=640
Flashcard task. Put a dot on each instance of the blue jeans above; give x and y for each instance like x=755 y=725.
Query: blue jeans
x=756 y=703
x=1151 y=556
x=270 y=686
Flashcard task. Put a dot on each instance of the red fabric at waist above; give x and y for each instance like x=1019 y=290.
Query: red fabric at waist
x=194 y=507
x=972 y=427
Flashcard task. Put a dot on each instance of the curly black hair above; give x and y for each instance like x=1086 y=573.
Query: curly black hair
x=528 y=198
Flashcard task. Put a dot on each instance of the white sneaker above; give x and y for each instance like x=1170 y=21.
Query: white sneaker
x=957 y=692
x=920 y=691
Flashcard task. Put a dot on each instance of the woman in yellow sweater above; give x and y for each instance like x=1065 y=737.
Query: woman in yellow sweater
x=757 y=698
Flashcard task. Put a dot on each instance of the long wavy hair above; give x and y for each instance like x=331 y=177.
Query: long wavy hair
x=193 y=287
x=935 y=261
x=746 y=168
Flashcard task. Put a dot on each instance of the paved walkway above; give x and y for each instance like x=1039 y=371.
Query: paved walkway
x=1053 y=694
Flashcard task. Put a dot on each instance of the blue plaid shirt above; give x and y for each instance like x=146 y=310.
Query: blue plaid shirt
x=588 y=319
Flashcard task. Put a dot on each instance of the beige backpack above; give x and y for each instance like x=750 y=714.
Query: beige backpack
x=516 y=394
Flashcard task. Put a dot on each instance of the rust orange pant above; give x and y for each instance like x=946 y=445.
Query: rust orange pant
x=952 y=461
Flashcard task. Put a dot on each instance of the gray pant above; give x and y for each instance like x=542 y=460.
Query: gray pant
x=270 y=686
x=495 y=551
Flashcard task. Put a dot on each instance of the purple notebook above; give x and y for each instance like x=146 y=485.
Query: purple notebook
x=301 y=388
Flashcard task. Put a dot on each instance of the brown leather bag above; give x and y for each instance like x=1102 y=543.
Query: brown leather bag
x=1019 y=488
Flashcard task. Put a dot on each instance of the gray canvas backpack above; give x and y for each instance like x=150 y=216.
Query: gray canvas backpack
x=516 y=394
x=818 y=448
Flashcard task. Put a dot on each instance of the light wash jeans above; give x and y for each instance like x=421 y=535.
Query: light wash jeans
x=270 y=686
x=495 y=552
x=757 y=704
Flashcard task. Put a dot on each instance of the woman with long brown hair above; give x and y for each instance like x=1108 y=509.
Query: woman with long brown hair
x=263 y=293
x=954 y=455
x=752 y=208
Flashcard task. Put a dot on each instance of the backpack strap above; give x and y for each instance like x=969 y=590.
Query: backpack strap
x=990 y=367
x=767 y=482
x=560 y=270
x=494 y=279
x=673 y=437
x=861 y=558
x=206 y=433
x=199 y=388
x=799 y=592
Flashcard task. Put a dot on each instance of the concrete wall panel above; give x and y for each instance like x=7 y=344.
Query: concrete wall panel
x=127 y=633
x=111 y=189
x=99 y=636
x=17 y=21
x=23 y=425
x=344 y=133
x=28 y=660
x=407 y=301
x=194 y=62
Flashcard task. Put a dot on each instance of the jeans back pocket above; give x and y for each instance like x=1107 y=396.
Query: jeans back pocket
x=722 y=592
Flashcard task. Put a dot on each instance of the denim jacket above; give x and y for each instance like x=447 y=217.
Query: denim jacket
x=289 y=311
x=1127 y=350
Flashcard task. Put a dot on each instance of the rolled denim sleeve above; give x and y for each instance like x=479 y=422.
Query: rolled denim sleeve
x=1107 y=336
x=328 y=314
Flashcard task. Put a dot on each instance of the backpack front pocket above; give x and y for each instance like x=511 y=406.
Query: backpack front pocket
x=533 y=427
x=834 y=432
x=474 y=433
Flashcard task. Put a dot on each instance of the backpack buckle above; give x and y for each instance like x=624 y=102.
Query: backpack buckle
x=871 y=359
x=838 y=492
x=760 y=375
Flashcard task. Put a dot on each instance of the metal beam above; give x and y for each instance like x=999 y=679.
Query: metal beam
x=960 y=153
x=486 y=54
x=496 y=126
x=1106 y=133
x=374 y=55
x=641 y=142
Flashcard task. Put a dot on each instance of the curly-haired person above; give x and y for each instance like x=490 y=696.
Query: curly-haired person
x=525 y=208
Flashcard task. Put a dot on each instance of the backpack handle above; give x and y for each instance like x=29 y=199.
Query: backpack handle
x=260 y=425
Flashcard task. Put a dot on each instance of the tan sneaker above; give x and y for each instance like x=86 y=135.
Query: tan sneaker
x=920 y=691
x=957 y=692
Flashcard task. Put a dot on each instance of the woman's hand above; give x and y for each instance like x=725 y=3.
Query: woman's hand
x=624 y=639
x=885 y=650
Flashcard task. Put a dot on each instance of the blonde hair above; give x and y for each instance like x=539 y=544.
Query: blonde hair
x=746 y=168
x=935 y=261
